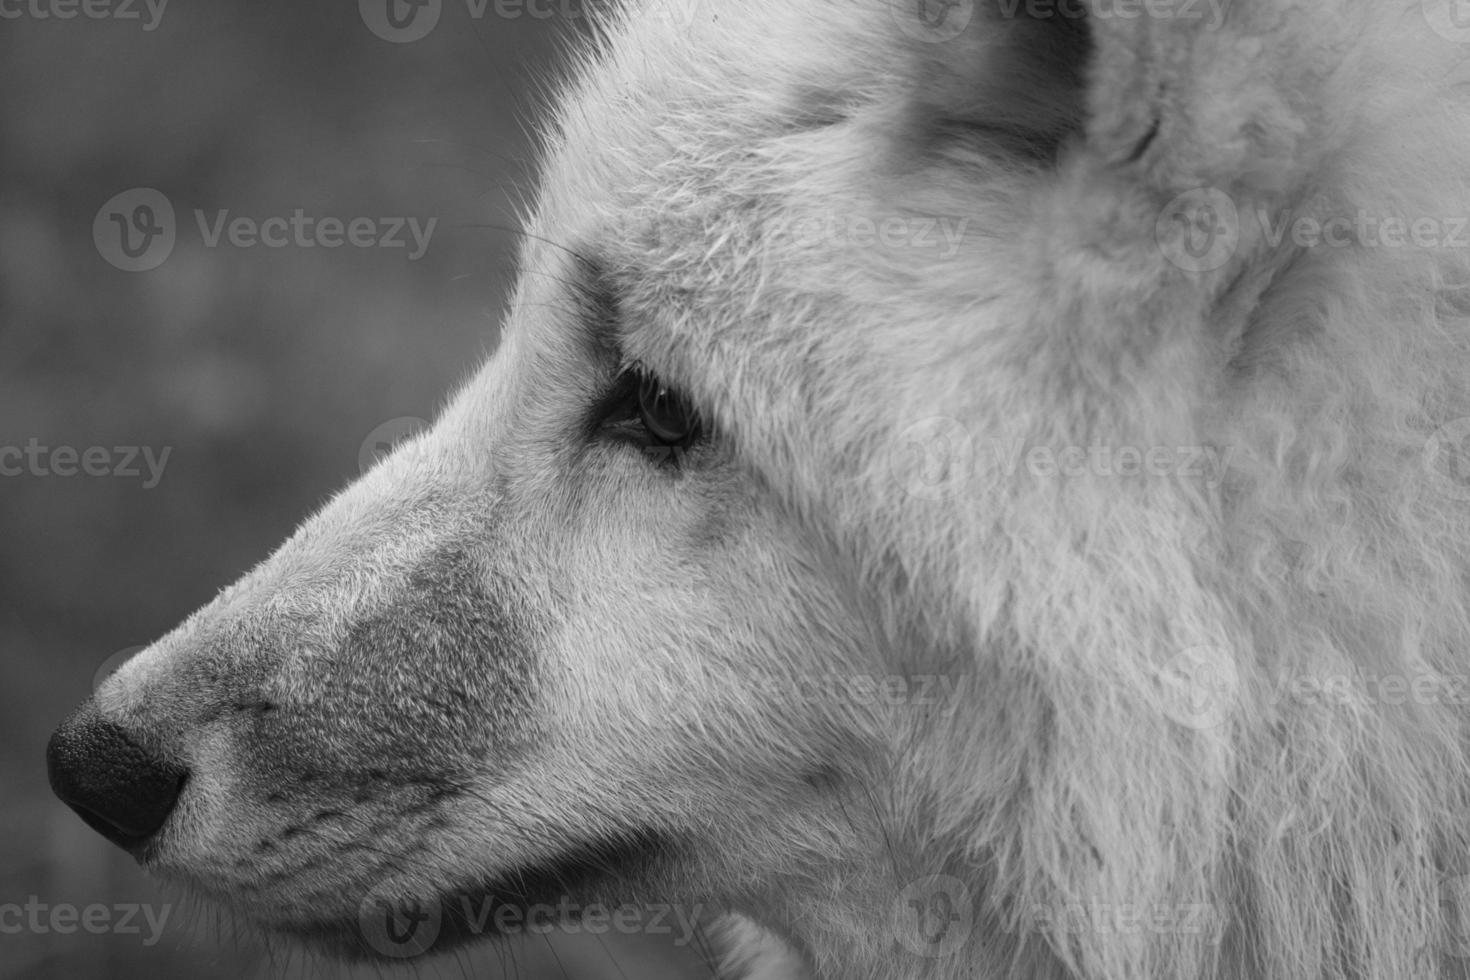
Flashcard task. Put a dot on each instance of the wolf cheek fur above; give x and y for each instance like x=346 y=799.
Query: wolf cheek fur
x=1112 y=784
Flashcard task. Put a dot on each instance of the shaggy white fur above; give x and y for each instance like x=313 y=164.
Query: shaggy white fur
x=1101 y=380
x=1317 y=817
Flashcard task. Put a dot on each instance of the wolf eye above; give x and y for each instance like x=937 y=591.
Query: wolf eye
x=666 y=414
x=644 y=411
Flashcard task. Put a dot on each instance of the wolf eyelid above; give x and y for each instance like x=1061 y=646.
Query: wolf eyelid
x=640 y=409
x=638 y=406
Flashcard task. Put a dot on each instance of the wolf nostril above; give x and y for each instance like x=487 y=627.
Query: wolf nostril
x=122 y=791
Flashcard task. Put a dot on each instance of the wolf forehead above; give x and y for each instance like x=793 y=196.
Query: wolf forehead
x=747 y=91
x=676 y=217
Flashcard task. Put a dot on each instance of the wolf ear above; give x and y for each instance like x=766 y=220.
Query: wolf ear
x=1187 y=94
x=1014 y=83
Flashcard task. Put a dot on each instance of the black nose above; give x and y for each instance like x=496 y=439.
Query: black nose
x=121 y=791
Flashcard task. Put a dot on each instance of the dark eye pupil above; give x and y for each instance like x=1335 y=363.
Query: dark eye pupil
x=665 y=413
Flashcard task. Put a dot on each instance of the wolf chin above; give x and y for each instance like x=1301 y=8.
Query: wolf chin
x=965 y=490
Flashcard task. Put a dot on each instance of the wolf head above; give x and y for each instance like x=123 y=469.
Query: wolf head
x=921 y=444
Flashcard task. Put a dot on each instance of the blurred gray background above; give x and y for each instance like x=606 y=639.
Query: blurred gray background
x=267 y=373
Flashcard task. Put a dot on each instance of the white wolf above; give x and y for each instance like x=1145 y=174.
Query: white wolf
x=975 y=489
